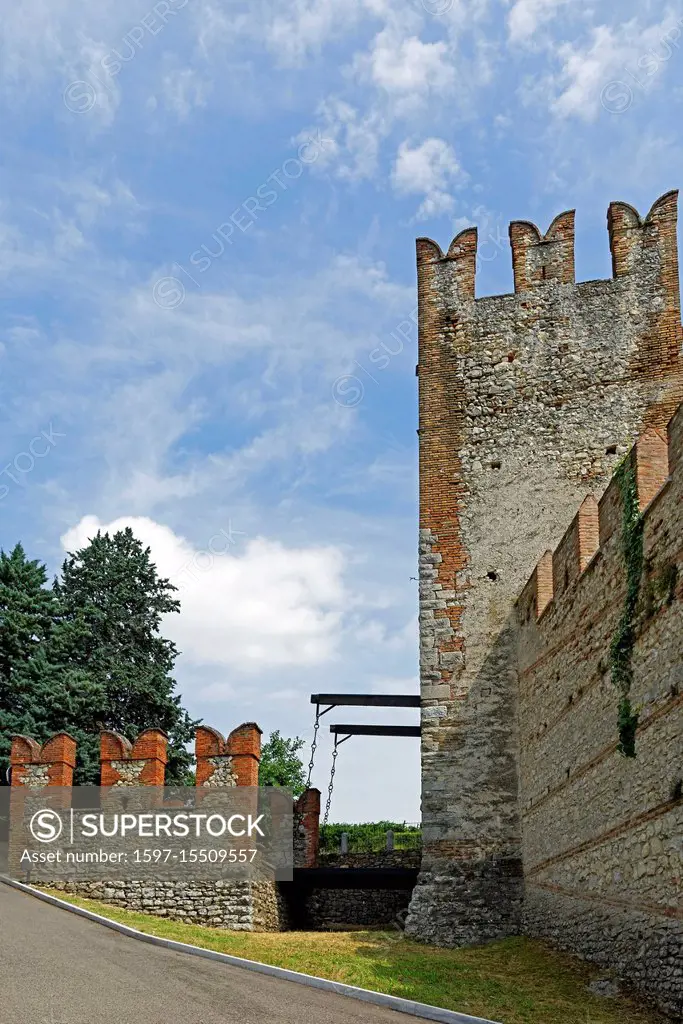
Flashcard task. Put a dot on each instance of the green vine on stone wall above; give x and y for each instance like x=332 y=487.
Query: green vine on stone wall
x=621 y=648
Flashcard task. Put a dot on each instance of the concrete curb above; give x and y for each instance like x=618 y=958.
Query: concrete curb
x=422 y=1010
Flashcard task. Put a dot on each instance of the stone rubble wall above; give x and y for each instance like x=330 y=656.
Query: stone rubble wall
x=369 y=908
x=602 y=833
x=239 y=906
x=248 y=906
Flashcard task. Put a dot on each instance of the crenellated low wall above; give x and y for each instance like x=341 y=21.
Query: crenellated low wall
x=602 y=832
x=221 y=762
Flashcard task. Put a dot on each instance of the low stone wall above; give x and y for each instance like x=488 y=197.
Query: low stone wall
x=324 y=908
x=239 y=906
x=383 y=859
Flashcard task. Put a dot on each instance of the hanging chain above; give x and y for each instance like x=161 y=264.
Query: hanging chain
x=329 y=791
x=314 y=744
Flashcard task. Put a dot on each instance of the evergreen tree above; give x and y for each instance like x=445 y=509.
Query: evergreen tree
x=110 y=605
x=281 y=765
x=26 y=615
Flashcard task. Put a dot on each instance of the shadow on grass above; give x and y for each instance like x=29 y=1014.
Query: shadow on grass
x=516 y=981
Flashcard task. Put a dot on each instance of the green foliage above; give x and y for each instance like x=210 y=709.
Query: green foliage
x=111 y=602
x=37 y=696
x=660 y=589
x=281 y=765
x=369 y=837
x=621 y=647
x=87 y=655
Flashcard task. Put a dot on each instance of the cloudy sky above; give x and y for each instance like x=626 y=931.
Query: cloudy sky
x=207 y=221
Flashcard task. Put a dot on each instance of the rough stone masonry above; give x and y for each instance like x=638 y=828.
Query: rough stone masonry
x=602 y=833
x=527 y=402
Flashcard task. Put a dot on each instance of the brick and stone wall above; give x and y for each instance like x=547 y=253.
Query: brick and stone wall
x=602 y=833
x=527 y=401
x=52 y=764
x=240 y=905
x=142 y=763
x=228 y=762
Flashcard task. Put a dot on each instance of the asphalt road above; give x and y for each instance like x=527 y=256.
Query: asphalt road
x=60 y=969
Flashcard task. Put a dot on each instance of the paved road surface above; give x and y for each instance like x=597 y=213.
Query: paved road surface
x=60 y=969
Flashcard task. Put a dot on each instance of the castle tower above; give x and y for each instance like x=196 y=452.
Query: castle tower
x=527 y=402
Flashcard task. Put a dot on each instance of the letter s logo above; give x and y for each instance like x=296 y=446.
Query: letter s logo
x=46 y=826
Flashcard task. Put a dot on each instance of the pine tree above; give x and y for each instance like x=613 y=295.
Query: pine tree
x=110 y=606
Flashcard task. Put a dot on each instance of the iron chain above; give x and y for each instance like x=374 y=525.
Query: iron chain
x=329 y=791
x=314 y=745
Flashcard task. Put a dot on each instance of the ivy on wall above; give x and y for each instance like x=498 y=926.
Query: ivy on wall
x=621 y=648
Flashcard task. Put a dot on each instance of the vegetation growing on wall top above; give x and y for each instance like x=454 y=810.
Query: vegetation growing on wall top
x=621 y=647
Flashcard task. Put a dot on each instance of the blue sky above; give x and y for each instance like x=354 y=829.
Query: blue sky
x=207 y=220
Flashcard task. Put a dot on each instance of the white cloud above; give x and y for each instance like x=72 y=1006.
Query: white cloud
x=405 y=66
x=429 y=169
x=303 y=27
x=527 y=16
x=405 y=685
x=352 y=139
x=263 y=607
x=620 y=64
x=52 y=220
x=294 y=31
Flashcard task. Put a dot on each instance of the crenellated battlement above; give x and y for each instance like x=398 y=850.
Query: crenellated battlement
x=653 y=461
x=132 y=777
x=232 y=761
x=142 y=763
x=51 y=764
x=538 y=260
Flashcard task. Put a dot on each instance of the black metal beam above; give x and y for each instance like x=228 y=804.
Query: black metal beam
x=375 y=730
x=367 y=700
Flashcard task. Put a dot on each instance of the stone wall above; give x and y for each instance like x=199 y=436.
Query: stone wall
x=239 y=906
x=370 y=907
x=221 y=762
x=602 y=833
x=526 y=403
x=325 y=908
x=380 y=859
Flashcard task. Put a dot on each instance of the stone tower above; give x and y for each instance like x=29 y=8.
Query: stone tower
x=527 y=402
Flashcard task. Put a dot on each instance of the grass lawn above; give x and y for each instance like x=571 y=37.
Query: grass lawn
x=516 y=981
